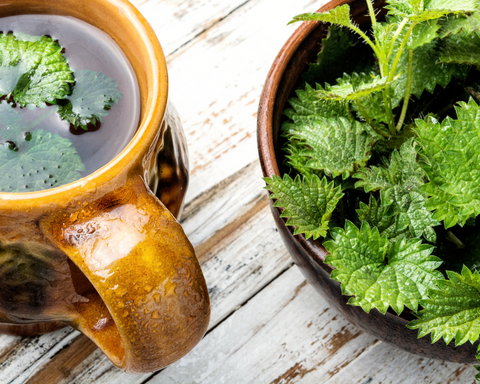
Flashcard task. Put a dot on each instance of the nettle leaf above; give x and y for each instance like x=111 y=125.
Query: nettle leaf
x=294 y=159
x=454 y=24
x=374 y=100
x=453 y=309
x=33 y=72
x=426 y=74
x=434 y=14
x=308 y=204
x=338 y=15
x=399 y=183
x=351 y=91
x=452 y=5
x=461 y=49
x=335 y=146
x=342 y=51
x=43 y=160
x=404 y=7
x=420 y=10
x=379 y=274
x=35 y=160
x=423 y=33
x=92 y=97
x=383 y=217
x=307 y=107
x=451 y=154
x=383 y=33
x=8 y=115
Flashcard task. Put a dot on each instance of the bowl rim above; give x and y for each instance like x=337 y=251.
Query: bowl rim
x=154 y=111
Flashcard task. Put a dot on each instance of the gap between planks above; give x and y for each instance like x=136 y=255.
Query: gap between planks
x=177 y=23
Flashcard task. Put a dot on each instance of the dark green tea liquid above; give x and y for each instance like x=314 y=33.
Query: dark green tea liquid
x=85 y=47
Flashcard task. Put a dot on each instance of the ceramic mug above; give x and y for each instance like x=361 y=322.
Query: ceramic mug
x=104 y=254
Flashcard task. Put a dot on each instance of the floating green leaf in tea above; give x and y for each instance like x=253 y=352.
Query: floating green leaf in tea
x=34 y=72
x=91 y=99
x=34 y=160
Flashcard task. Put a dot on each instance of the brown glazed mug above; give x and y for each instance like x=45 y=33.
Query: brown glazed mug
x=104 y=254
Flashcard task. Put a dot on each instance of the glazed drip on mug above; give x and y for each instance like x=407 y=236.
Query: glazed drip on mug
x=85 y=48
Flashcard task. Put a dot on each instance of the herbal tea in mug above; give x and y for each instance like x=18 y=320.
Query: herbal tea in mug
x=70 y=101
x=87 y=136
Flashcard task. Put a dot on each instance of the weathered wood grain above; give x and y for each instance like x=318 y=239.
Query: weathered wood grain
x=28 y=354
x=237 y=264
x=216 y=81
x=225 y=204
x=288 y=334
x=65 y=362
x=387 y=364
x=178 y=22
x=262 y=341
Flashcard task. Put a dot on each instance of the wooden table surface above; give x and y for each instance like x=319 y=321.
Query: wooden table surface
x=268 y=325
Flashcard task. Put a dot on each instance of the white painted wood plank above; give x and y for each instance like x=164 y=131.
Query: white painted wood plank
x=7 y=344
x=29 y=353
x=98 y=367
x=285 y=324
x=216 y=82
x=244 y=264
x=221 y=206
x=178 y=21
x=387 y=364
x=234 y=272
x=288 y=334
x=235 y=269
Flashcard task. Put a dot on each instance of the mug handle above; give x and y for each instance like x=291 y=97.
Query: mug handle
x=144 y=298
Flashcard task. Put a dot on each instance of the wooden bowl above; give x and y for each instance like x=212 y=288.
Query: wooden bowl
x=309 y=256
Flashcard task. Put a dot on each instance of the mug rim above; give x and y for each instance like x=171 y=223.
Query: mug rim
x=144 y=135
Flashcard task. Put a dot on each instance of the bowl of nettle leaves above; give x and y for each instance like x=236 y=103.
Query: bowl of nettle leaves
x=369 y=139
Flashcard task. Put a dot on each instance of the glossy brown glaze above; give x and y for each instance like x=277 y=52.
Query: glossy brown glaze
x=309 y=256
x=31 y=329
x=103 y=254
x=168 y=173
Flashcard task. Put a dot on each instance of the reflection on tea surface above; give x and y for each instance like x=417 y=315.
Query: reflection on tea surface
x=70 y=101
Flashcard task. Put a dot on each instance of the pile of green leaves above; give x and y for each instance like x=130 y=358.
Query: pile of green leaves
x=35 y=73
x=382 y=161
